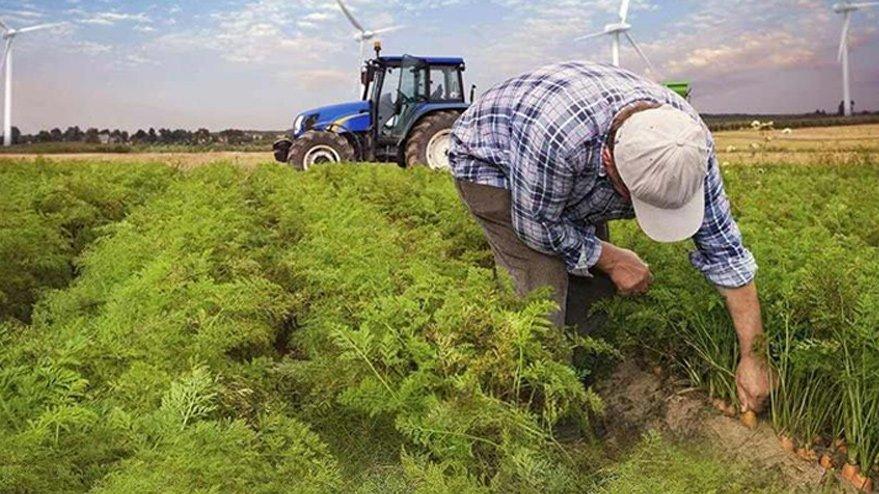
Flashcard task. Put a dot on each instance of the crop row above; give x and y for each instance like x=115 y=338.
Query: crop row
x=267 y=331
x=813 y=231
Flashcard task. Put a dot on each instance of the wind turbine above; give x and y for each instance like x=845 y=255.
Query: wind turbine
x=9 y=35
x=615 y=31
x=362 y=34
x=846 y=9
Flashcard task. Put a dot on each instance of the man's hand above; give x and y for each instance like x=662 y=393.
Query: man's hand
x=753 y=383
x=754 y=375
x=628 y=272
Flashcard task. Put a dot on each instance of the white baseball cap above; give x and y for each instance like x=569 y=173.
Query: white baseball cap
x=662 y=157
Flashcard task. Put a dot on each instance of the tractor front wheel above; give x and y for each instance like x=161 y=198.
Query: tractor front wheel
x=316 y=147
x=430 y=140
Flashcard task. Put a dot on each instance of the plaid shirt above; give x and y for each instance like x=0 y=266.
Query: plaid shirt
x=540 y=136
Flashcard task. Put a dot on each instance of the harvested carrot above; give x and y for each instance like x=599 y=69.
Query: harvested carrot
x=657 y=370
x=826 y=461
x=787 y=443
x=849 y=471
x=862 y=482
x=807 y=454
x=749 y=419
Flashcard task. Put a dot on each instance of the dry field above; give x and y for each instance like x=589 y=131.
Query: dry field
x=801 y=146
x=852 y=144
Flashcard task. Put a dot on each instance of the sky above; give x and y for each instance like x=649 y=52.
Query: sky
x=254 y=64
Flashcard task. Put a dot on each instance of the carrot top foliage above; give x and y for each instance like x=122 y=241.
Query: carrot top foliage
x=343 y=330
x=212 y=322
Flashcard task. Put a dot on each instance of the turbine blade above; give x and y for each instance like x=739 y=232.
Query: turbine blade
x=388 y=29
x=3 y=25
x=589 y=36
x=641 y=53
x=38 y=28
x=624 y=11
x=864 y=4
x=350 y=16
x=843 y=40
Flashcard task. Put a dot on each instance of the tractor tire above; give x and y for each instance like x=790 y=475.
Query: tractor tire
x=316 y=147
x=429 y=142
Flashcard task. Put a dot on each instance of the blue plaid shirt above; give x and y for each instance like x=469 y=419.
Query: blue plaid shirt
x=540 y=135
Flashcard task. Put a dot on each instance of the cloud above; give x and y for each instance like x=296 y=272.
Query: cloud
x=261 y=31
x=88 y=48
x=111 y=18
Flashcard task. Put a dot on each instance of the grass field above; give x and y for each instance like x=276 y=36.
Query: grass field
x=239 y=327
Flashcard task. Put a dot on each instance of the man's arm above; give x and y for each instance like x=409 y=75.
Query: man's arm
x=752 y=375
x=723 y=259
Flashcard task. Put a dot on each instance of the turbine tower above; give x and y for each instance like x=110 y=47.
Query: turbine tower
x=846 y=9
x=363 y=35
x=617 y=30
x=9 y=35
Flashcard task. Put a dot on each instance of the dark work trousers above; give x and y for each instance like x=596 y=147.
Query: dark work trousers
x=531 y=269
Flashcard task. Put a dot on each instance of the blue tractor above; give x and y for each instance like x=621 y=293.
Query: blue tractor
x=405 y=116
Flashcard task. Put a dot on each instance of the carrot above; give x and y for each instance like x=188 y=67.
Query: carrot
x=787 y=443
x=807 y=454
x=826 y=462
x=849 y=471
x=862 y=482
x=749 y=419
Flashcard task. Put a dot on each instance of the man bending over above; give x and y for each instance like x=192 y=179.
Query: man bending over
x=545 y=159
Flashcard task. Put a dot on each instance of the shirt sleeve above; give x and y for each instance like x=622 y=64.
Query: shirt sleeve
x=540 y=185
x=720 y=254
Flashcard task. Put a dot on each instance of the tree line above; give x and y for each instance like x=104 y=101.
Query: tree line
x=93 y=135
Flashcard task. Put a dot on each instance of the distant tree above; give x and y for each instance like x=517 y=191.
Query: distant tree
x=202 y=136
x=44 y=136
x=73 y=134
x=233 y=136
x=56 y=134
x=139 y=137
x=91 y=136
x=151 y=136
x=16 y=135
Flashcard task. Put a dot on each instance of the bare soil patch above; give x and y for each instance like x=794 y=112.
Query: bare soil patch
x=637 y=401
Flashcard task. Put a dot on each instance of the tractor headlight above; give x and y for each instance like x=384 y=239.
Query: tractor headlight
x=297 y=124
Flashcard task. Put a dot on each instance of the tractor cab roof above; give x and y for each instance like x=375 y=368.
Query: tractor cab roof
x=397 y=60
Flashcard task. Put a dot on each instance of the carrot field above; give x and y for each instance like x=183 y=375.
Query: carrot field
x=252 y=329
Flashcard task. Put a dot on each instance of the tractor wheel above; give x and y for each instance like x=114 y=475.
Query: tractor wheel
x=316 y=146
x=429 y=142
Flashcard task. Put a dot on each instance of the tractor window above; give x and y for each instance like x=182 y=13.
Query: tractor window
x=413 y=83
x=445 y=84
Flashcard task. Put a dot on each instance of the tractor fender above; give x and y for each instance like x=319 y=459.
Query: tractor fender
x=427 y=110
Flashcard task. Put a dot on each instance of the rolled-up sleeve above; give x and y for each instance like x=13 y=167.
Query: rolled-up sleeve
x=540 y=185
x=720 y=253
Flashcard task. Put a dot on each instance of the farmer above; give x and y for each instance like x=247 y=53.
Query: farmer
x=545 y=159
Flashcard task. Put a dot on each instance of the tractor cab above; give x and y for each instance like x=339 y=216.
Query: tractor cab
x=405 y=115
x=403 y=90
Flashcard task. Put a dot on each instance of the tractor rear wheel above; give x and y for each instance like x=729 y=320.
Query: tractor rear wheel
x=430 y=140
x=316 y=147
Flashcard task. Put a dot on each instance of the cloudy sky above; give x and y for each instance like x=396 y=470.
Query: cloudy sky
x=255 y=63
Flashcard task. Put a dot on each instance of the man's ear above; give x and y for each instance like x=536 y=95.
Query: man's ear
x=607 y=157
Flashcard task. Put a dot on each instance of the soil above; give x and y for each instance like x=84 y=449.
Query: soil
x=637 y=401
